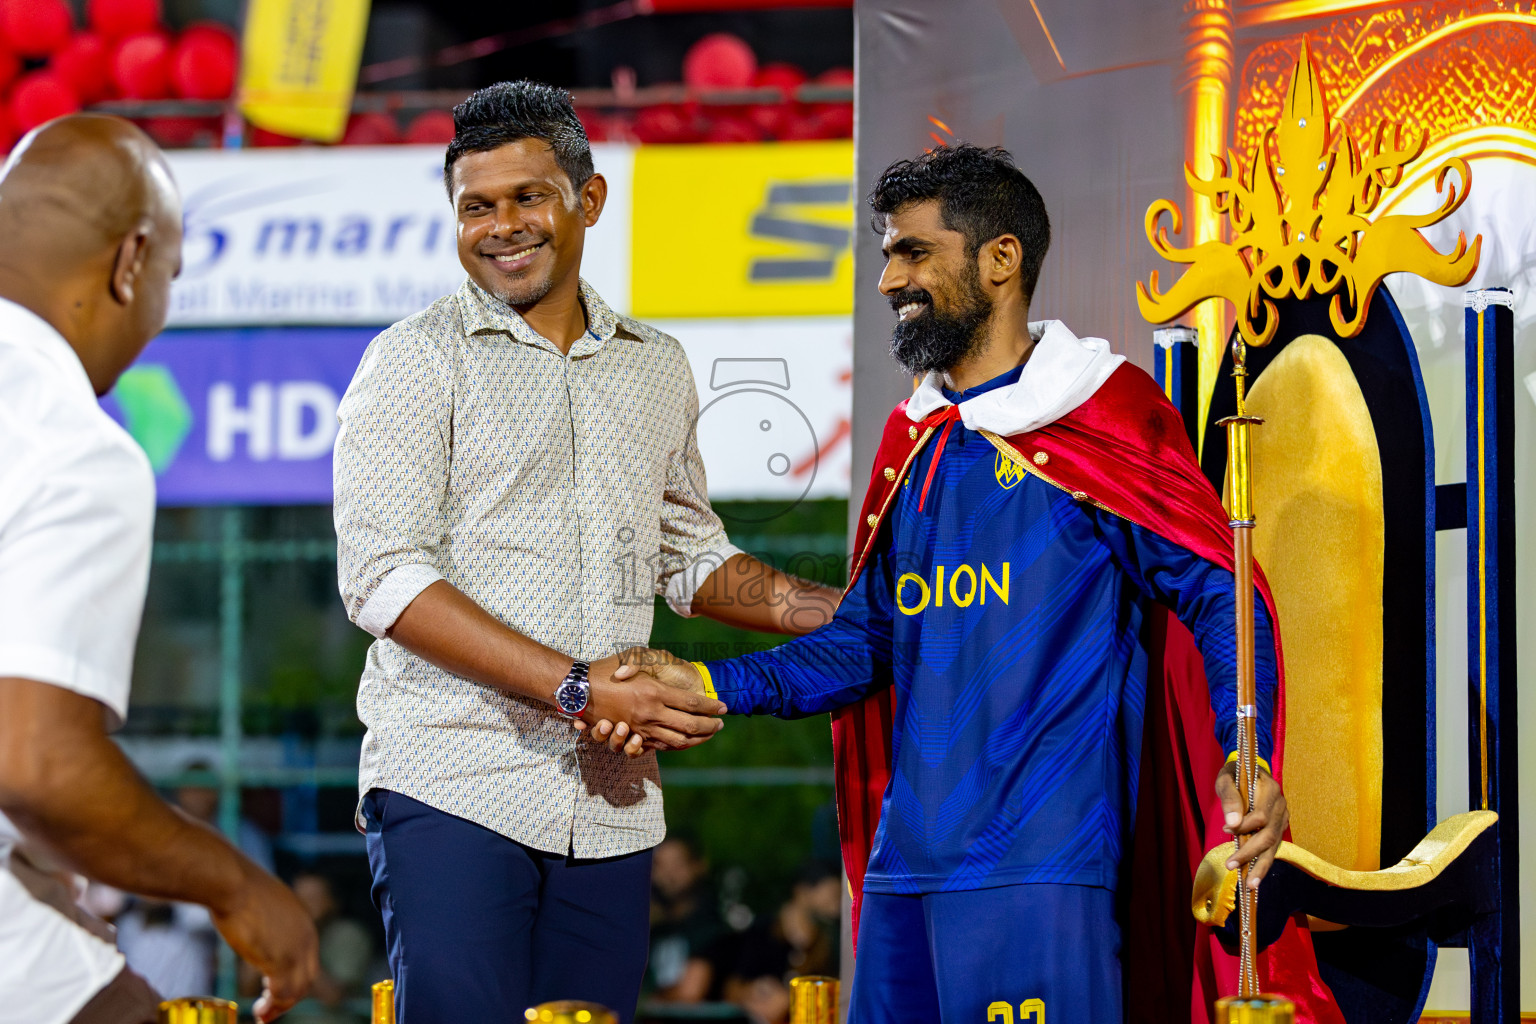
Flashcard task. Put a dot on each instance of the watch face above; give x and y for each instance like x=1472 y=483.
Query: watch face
x=572 y=698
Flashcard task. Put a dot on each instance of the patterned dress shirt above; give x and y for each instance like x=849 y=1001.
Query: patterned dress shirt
x=559 y=492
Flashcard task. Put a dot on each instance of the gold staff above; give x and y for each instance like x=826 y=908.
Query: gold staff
x=1240 y=489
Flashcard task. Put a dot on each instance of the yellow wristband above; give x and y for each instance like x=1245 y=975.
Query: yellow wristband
x=1232 y=759
x=709 y=684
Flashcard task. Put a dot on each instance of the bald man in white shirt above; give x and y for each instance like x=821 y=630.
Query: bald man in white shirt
x=90 y=238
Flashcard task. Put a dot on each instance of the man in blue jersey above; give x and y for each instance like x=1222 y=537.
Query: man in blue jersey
x=1002 y=615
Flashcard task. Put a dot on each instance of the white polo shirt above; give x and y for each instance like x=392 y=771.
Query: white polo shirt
x=76 y=511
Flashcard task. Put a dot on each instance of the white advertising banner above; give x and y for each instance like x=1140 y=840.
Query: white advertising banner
x=347 y=236
x=774 y=403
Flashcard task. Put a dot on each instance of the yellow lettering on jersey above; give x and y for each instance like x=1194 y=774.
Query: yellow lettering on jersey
x=922 y=585
x=988 y=581
x=1031 y=1011
x=954 y=593
x=961 y=594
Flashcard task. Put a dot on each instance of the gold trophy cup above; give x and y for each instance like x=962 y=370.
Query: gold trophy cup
x=813 y=1000
x=198 y=1011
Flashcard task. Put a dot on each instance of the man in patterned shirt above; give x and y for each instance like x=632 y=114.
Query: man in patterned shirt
x=517 y=471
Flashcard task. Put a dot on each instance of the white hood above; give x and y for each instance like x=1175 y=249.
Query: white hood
x=1062 y=373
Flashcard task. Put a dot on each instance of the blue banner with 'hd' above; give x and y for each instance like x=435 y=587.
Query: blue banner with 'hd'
x=242 y=416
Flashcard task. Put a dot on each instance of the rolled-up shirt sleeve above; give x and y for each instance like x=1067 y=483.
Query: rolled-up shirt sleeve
x=693 y=540
x=391 y=475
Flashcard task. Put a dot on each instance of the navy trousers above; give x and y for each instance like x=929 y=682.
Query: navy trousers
x=480 y=927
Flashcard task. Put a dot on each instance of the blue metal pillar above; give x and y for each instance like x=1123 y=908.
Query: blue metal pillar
x=1494 y=939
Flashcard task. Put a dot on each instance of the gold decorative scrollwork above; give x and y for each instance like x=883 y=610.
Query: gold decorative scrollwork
x=1299 y=220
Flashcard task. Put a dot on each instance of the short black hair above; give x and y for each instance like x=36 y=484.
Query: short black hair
x=981 y=193
x=509 y=111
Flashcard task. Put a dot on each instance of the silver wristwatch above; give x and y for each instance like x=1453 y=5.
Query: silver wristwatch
x=574 y=691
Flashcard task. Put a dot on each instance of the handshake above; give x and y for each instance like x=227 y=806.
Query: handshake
x=644 y=699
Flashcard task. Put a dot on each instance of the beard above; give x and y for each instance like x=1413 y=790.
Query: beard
x=520 y=294
x=933 y=340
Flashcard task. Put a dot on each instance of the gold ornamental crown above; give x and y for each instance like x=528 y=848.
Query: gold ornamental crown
x=1300 y=222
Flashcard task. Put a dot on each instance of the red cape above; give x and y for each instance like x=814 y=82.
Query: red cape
x=1124 y=450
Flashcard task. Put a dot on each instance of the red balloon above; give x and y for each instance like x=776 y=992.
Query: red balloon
x=117 y=18
x=593 y=124
x=263 y=137
x=665 y=123
x=834 y=121
x=10 y=67
x=772 y=119
x=41 y=96
x=182 y=132
x=431 y=127
x=733 y=128
x=8 y=132
x=616 y=128
x=784 y=77
x=203 y=67
x=84 y=64
x=141 y=67
x=719 y=61
x=801 y=128
x=215 y=30
x=371 y=130
x=35 y=28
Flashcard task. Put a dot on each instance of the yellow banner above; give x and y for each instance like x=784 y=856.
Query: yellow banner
x=743 y=230
x=299 y=65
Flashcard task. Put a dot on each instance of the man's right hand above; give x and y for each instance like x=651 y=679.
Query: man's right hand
x=268 y=927
x=654 y=710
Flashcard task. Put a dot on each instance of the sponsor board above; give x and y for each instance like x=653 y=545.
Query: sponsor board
x=743 y=230
x=366 y=235
x=249 y=416
x=357 y=236
x=774 y=406
x=239 y=417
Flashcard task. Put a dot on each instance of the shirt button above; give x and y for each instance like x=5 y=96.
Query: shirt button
x=1041 y=458
x=912 y=433
x=890 y=474
x=871 y=519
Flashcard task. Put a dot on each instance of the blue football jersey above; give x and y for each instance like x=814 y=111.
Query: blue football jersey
x=1009 y=618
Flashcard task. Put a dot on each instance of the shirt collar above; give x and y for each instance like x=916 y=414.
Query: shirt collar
x=483 y=311
x=21 y=327
x=1001 y=380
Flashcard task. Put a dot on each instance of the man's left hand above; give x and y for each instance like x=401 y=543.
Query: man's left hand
x=1262 y=829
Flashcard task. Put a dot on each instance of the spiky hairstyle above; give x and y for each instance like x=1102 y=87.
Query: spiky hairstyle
x=510 y=111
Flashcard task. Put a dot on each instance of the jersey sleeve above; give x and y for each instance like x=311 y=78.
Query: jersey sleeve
x=1202 y=595
x=841 y=663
